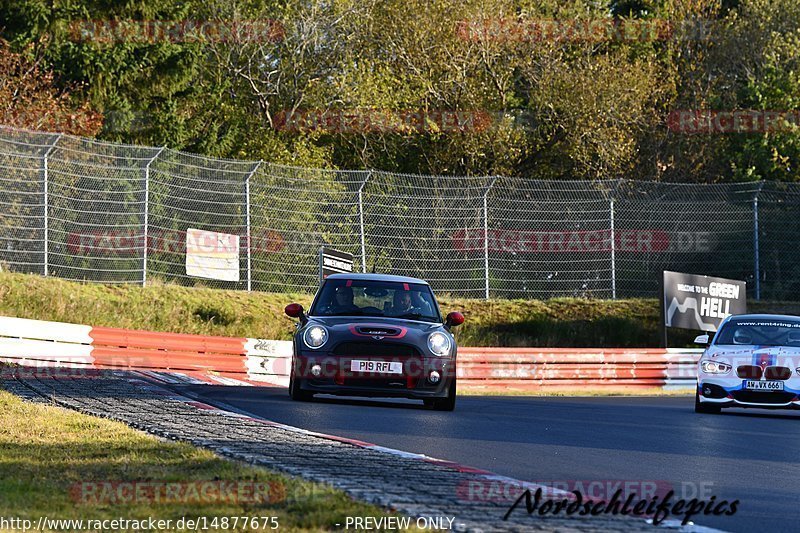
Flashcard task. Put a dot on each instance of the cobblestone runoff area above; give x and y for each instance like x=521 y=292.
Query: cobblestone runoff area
x=407 y=485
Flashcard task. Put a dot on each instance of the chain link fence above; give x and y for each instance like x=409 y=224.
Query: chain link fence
x=86 y=210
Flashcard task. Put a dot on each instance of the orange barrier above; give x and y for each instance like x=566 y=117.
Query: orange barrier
x=167 y=341
x=567 y=355
x=121 y=348
x=576 y=369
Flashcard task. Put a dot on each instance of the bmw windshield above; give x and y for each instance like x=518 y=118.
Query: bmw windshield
x=343 y=297
x=760 y=332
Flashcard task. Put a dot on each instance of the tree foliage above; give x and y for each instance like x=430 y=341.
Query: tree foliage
x=542 y=103
x=29 y=98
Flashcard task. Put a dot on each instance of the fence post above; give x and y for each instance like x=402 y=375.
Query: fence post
x=46 y=190
x=361 y=223
x=486 y=234
x=247 y=222
x=613 y=252
x=756 y=253
x=147 y=214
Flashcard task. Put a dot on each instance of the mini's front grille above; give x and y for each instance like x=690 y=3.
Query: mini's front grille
x=382 y=383
x=375 y=349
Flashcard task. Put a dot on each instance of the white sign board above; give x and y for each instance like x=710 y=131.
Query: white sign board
x=212 y=255
x=334 y=262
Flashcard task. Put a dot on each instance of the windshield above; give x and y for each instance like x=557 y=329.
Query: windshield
x=343 y=297
x=760 y=332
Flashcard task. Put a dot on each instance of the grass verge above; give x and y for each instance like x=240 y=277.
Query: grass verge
x=560 y=322
x=46 y=452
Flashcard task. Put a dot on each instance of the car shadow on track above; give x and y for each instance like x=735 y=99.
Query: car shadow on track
x=761 y=414
x=370 y=402
x=222 y=393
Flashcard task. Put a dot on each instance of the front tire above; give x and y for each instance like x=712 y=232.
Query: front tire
x=705 y=408
x=444 y=404
x=296 y=393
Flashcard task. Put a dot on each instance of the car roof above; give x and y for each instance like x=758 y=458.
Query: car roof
x=764 y=316
x=378 y=277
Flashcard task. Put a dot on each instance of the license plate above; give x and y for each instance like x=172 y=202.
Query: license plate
x=382 y=367
x=767 y=386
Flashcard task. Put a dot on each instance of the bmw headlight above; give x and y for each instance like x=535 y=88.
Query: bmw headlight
x=715 y=367
x=439 y=344
x=315 y=337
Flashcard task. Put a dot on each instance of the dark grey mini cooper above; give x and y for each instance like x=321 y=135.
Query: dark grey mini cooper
x=375 y=335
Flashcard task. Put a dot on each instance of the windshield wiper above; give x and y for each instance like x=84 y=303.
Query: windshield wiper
x=354 y=312
x=412 y=316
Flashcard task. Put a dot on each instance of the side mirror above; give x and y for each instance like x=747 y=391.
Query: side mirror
x=294 y=310
x=702 y=339
x=454 y=319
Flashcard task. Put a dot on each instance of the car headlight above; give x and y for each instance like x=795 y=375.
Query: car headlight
x=715 y=367
x=797 y=370
x=315 y=337
x=439 y=344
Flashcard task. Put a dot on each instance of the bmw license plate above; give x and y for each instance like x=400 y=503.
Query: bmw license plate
x=767 y=386
x=381 y=367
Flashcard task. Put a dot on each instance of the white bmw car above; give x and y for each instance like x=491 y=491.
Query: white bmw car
x=753 y=361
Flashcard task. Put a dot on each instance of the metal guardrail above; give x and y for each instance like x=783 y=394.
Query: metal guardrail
x=36 y=343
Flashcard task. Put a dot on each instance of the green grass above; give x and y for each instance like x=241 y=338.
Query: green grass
x=46 y=450
x=560 y=322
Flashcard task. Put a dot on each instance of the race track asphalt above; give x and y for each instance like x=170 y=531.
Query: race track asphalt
x=749 y=455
